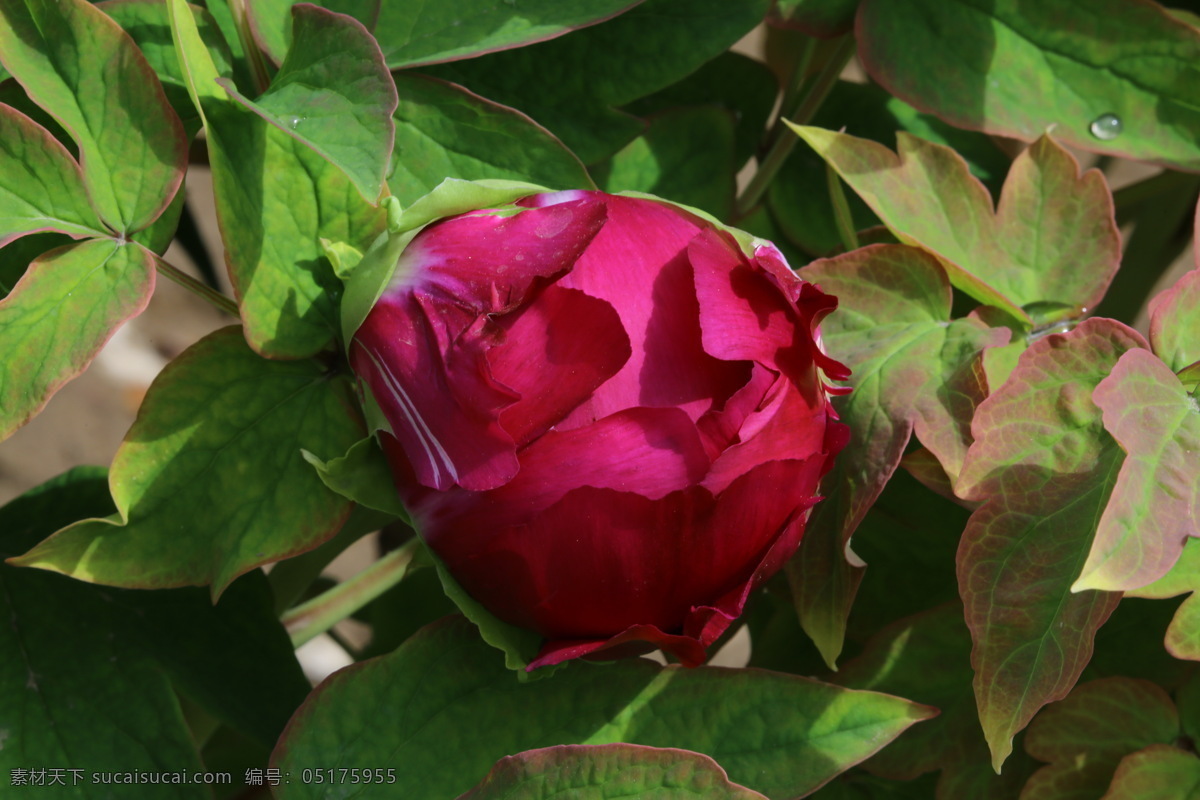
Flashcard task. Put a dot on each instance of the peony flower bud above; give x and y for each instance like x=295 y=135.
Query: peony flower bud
x=605 y=418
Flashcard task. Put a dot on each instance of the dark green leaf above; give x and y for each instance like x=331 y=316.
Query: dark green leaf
x=606 y=772
x=209 y=482
x=607 y=66
x=778 y=734
x=1019 y=69
x=79 y=65
x=334 y=94
x=77 y=689
x=445 y=131
x=1183 y=635
x=17 y=255
x=59 y=315
x=744 y=87
x=685 y=156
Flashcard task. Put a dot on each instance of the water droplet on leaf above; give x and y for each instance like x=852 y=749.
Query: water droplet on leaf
x=294 y=122
x=1106 y=127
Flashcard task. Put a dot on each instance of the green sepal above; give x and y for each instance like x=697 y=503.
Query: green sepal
x=362 y=475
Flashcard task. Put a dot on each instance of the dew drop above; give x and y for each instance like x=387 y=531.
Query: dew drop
x=294 y=122
x=1106 y=127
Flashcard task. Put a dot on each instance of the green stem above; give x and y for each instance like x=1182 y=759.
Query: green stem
x=318 y=615
x=258 y=67
x=201 y=290
x=841 y=209
x=812 y=99
x=289 y=579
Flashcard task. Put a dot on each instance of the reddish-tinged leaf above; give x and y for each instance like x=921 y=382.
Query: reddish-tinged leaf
x=1175 y=322
x=59 y=315
x=1183 y=635
x=1160 y=772
x=913 y=371
x=78 y=64
x=1052 y=240
x=1084 y=736
x=1018 y=69
x=604 y=771
x=1155 y=505
x=41 y=187
x=1044 y=467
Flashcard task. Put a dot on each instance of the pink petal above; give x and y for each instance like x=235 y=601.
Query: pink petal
x=601 y=563
x=487 y=261
x=423 y=348
x=648 y=451
x=788 y=425
x=555 y=352
x=638 y=263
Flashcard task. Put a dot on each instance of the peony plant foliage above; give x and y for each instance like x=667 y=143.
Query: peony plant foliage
x=643 y=398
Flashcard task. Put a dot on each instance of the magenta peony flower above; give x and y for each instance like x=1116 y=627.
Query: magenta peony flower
x=606 y=419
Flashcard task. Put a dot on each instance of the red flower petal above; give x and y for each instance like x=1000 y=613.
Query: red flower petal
x=638 y=263
x=555 y=352
x=422 y=350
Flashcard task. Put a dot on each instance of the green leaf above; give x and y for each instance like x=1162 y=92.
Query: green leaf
x=913 y=371
x=361 y=475
x=41 y=187
x=16 y=256
x=445 y=131
x=77 y=688
x=1052 y=238
x=1175 y=322
x=272 y=228
x=607 y=66
x=333 y=93
x=1159 y=772
x=149 y=25
x=1084 y=736
x=233 y=658
x=1043 y=466
x=685 y=156
x=1152 y=511
x=519 y=645
x=1183 y=635
x=79 y=65
x=209 y=482
x=603 y=771
x=59 y=315
x=413 y=33
x=740 y=85
x=823 y=18
x=778 y=734
x=924 y=656
x=1018 y=69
